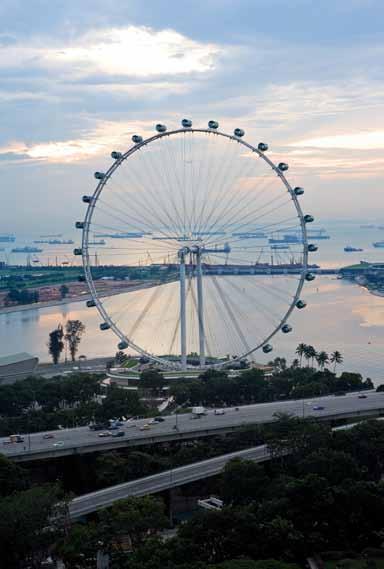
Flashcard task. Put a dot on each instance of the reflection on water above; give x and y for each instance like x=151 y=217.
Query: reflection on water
x=339 y=315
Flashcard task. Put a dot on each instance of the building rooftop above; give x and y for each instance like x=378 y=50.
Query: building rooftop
x=15 y=358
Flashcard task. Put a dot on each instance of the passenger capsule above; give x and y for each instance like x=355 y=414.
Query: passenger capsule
x=90 y=303
x=298 y=191
x=116 y=155
x=301 y=304
x=186 y=123
x=79 y=224
x=312 y=247
x=262 y=146
x=308 y=218
x=77 y=251
x=87 y=199
x=122 y=345
x=136 y=138
x=104 y=326
x=310 y=277
x=99 y=175
x=267 y=348
x=161 y=128
x=286 y=328
x=238 y=132
x=213 y=124
x=283 y=167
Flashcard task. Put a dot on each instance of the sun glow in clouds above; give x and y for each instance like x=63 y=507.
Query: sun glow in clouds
x=131 y=51
x=356 y=141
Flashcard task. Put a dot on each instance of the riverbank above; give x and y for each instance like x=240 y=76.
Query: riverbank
x=83 y=297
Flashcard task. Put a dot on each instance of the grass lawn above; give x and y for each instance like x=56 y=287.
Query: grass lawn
x=355 y=563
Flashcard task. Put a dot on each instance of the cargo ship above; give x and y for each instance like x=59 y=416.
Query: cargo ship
x=26 y=249
x=287 y=238
x=97 y=242
x=55 y=241
x=350 y=249
x=7 y=238
x=379 y=244
x=250 y=235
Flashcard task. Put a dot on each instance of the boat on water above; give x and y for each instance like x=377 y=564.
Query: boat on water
x=279 y=246
x=378 y=244
x=97 y=242
x=54 y=241
x=350 y=249
x=26 y=249
x=7 y=238
x=318 y=234
x=250 y=235
x=288 y=238
x=368 y=226
x=127 y=235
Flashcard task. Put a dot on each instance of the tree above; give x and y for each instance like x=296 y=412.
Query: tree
x=64 y=290
x=74 y=329
x=56 y=344
x=27 y=526
x=336 y=358
x=300 y=351
x=137 y=517
x=322 y=358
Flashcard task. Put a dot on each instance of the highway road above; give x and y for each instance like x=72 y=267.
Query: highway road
x=94 y=501
x=83 y=440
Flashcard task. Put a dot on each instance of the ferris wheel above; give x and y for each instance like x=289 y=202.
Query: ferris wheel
x=212 y=239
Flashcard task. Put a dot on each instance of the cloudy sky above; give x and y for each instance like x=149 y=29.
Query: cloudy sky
x=78 y=78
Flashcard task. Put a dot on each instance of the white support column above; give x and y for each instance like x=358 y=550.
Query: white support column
x=200 y=309
x=183 y=324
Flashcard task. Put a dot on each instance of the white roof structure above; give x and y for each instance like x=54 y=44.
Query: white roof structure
x=16 y=366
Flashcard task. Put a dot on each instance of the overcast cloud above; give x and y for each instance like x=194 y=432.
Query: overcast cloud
x=77 y=79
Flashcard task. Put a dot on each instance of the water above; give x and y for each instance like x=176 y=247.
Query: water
x=340 y=315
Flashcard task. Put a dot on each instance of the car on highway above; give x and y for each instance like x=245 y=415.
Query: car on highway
x=48 y=436
x=99 y=426
x=118 y=434
x=318 y=408
x=104 y=434
x=159 y=419
x=145 y=427
x=58 y=444
x=362 y=396
x=219 y=412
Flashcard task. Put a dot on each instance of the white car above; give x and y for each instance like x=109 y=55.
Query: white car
x=58 y=444
x=219 y=412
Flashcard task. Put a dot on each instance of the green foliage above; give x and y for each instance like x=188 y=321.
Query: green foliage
x=74 y=329
x=118 y=403
x=138 y=518
x=22 y=296
x=12 y=477
x=56 y=344
x=27 y=529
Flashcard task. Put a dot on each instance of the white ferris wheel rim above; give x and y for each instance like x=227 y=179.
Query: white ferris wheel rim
x=87 y=262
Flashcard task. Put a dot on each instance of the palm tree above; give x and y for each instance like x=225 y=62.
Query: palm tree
x=322 y=358
x=310 y=353
x=336 y=358
x=300 y=351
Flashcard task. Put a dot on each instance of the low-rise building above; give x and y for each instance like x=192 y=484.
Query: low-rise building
x=17 y=366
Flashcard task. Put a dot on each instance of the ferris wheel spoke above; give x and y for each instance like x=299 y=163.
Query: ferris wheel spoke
x=155 y=211
x=231 y=313
x=218 y=166
x=238 y=203
x=218 y=184
x=157 y=291
x=165 y=176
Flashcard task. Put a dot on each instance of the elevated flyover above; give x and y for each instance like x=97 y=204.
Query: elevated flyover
x=88 y=503
x=82 y=440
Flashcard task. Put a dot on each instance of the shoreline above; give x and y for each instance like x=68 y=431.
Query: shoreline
x=68 y=300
